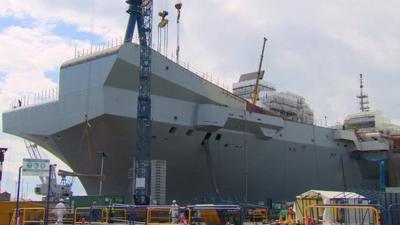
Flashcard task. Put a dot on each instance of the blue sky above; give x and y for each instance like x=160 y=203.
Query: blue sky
x=315 y=49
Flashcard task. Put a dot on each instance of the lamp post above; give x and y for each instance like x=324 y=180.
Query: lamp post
x=102 y=155
x=46 y=215
x=17 y=206
x=2 y=151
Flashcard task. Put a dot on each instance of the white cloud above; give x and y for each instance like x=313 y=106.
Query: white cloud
x=27 y=53
x=100 y=17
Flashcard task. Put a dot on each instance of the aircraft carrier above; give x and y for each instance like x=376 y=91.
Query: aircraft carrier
x=207 y=143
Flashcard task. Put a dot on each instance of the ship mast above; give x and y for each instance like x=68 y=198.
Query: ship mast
x=364 y=103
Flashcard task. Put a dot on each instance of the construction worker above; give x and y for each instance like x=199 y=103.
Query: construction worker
x=94 y=213
x=174 y=212
x=290 y=216
x=59 y=211
x=131 y=214
x=83 y=221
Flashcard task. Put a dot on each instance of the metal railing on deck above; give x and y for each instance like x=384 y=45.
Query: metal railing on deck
x=53 y=94
x=93 y=49
x=97 y=48
x=46 y=96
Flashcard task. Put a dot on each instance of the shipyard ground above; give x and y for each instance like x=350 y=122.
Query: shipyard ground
x=379 y=208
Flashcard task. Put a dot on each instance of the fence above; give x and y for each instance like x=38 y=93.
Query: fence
x=29 y=216
x=93 y=215
x=215 y=214
x=342 y=214
x=393 y=214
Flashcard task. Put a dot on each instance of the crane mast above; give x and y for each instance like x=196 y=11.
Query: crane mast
x=140 y=13
x=256 y=90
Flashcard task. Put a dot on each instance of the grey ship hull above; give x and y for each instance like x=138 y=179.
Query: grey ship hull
x=247 y=155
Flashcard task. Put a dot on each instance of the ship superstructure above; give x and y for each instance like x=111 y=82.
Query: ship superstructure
x=376 y=140
x=287 y=105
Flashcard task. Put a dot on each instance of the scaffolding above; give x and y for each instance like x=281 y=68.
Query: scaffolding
x=290 y=106
x=287 y=105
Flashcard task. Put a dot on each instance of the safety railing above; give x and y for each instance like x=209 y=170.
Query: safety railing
x=118 y=215
x=29 y=216
x=206 y=76
x=122 y=213
x=159 y=215
x=341 y=214
x=215 y=214
x=92 y=215
x=33 y=99
x=82 y=52
x=117 y=42
x=393 y=214
x=67 y=215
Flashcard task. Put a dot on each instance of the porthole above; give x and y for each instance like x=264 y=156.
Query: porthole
x=172 y=130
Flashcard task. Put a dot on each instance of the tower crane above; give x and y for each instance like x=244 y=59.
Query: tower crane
x=140 y=13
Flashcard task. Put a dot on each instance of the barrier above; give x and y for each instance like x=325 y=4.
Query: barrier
x=29 y=216
x=118 y=215
x=215 y=214
x=341 y=214
x=393 y=214
x=96 y=215
x=158 y=215
x=67 y=218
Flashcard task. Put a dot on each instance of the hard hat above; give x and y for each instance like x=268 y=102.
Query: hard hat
x=61 y=200
x=173 y=201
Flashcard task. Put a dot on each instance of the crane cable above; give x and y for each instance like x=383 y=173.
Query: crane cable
x=206 y=145
x=87 y=126
x=246 y=158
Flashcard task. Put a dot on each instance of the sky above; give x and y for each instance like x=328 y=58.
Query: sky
x=315 y=48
